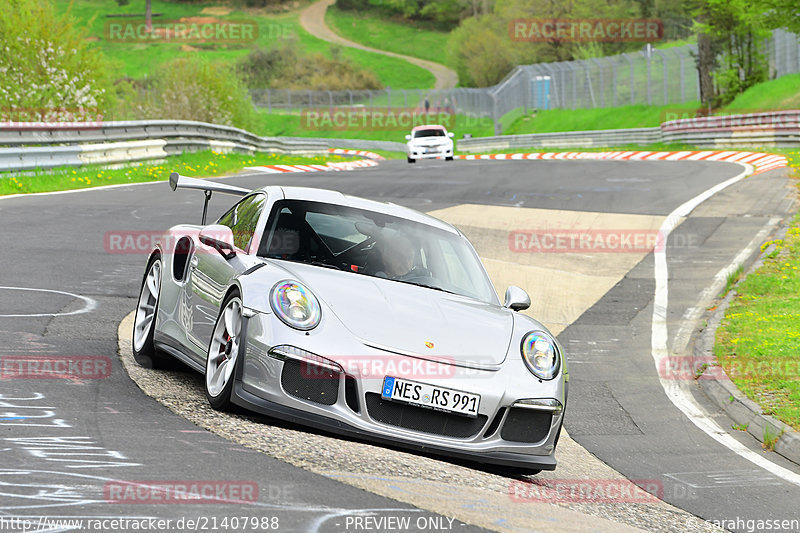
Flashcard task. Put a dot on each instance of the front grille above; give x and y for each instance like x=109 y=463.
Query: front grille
x=308 y=381
x=421 y=419
x=526 y=425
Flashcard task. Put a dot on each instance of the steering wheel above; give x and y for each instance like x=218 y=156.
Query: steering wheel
x=422 y=276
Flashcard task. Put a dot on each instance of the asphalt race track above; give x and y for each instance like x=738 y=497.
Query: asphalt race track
x=68 y=444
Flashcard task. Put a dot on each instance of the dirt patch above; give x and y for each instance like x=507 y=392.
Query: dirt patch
x=220 y=11
x=200 y=20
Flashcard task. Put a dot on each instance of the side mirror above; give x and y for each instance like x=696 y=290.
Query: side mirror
x=408 y=137
x=517 y=299
x=220 y=238
x=450 y=134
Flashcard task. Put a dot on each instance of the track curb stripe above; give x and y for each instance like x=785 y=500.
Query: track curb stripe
x=761 y=161
x=363 y=153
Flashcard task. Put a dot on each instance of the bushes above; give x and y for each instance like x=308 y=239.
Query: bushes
x=283 y=67
x=50 y=72
x=352 y=5
x=47 y=70
x=190 y=88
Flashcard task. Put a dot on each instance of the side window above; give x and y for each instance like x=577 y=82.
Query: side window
x=243 y=218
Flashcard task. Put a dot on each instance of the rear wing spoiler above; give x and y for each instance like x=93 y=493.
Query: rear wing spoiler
x=176 y=181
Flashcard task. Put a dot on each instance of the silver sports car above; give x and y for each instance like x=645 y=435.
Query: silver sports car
x=358 y=317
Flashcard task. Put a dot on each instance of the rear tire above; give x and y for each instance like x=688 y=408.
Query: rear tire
x=450 y=158
x=144 y=321
x=412 y=160
x=223 y=354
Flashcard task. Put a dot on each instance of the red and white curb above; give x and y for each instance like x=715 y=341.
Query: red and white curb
x=371 y=161
x=362 y=153
x=760 y=161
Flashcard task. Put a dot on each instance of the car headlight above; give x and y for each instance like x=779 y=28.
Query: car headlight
x=295 y=305
x=541 y=354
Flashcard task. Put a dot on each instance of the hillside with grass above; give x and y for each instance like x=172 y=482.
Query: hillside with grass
x=400 y=36
x=780 y=94
x=278 y=28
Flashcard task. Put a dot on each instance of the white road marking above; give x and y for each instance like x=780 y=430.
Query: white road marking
x=89 y=304
x=676 y=390
x=712 y=480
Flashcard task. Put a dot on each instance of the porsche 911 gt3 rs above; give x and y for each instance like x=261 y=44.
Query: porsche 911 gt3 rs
x=362 y=318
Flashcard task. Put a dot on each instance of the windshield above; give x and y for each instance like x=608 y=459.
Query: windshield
x=374 y=244
x=434 y=132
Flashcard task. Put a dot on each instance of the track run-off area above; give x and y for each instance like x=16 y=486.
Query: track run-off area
x=620 y=257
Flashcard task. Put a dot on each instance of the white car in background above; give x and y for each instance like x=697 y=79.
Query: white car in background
x=430 y=141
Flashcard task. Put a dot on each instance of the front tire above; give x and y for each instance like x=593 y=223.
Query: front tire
x=144 y=321
x=450 y=158
x=223 y=354
x=412 y=160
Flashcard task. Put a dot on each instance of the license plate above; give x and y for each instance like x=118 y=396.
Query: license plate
x=430 y=396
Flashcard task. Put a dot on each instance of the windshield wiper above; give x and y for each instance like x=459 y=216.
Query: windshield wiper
x=426 y=286
x=314 y=263
x=322 y=264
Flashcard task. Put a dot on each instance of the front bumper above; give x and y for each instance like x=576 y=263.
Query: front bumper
x=348 y=403
x=421 y=152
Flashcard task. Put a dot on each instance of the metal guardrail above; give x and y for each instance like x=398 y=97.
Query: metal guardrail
x=39 y=157
x=568 y=139
x=777 y=129
x=116 y=142
x=21 y=134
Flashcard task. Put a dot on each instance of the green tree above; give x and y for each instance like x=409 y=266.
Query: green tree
x=480 y=51
x=738 y=28
x=781 y=14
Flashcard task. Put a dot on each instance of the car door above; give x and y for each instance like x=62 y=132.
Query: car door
x=211 y=273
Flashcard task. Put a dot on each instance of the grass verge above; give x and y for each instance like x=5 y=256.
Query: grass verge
x=782 y=93
x=293 y=125
x=757 y=341
x=779 y=94
x=199 y=164
x=607 y=118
